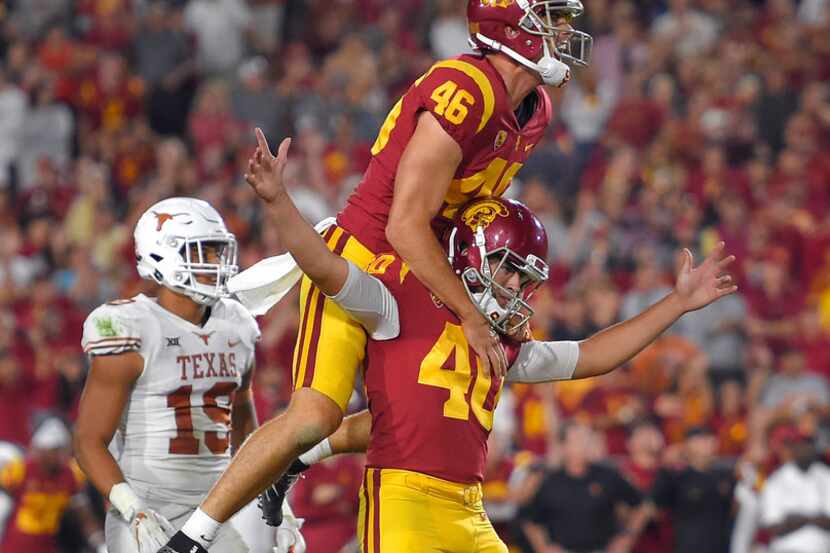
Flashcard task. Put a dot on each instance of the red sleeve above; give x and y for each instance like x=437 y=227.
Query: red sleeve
x=460 y=97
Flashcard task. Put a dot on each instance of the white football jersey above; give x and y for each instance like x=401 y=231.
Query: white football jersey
x=173 y=440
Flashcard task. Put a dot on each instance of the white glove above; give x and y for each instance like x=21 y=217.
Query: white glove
x=289 y=538
x=150 y=530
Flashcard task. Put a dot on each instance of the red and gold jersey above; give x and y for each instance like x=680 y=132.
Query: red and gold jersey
x=432 y=407
x=468 y=98
x=533 y=414
x=40 y=499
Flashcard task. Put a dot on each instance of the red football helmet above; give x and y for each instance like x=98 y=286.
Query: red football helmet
x=526 y=31
x=491 y=235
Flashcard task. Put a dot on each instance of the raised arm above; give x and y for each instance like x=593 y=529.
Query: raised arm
x=325 y=269
x=426 y=168
x=610 y=348
x=695 y=288
x=361 y=295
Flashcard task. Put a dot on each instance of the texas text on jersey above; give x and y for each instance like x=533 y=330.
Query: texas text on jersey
x=173 y=439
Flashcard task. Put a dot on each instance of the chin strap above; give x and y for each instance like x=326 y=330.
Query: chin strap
x=488 y=305
x=552 y=71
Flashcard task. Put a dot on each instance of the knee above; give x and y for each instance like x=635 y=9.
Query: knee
x=313 y=417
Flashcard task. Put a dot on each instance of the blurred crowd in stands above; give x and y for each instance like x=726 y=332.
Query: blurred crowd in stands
x=697 y=121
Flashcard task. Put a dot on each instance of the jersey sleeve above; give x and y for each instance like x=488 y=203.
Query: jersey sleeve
x=460 y=96
x=111 y=329
x=544 y=361
x=370 y=303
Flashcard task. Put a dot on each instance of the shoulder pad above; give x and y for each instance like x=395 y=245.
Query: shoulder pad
x=113 y=328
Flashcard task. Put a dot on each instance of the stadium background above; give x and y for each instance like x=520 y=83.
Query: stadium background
x=691 y=125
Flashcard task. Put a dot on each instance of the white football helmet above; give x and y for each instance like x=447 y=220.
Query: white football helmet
x=172 y=243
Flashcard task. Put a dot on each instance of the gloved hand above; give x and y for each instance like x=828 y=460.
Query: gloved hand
x=271 y=501
x=289 y=538
x=150 y=530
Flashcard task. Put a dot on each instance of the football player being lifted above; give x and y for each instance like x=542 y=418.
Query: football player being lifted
x=461 y=131
x=170 y=381
x=431 y=402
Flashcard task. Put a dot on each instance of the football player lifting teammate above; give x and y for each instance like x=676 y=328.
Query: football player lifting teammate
x=461 y=131
x=431 y=401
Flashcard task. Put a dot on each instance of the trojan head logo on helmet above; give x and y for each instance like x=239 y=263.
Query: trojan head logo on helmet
x=183 y=244
x=531 y=33
x=492 y=239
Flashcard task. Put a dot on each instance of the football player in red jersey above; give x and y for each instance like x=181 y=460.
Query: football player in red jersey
x=461 y=131
x=431 y=401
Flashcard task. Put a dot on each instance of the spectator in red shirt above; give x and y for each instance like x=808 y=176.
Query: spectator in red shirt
x=15 y=387
x=640 y=467
x=43 y=486
x=109 y=97
x=774 y=302
x=533 y=410
x=611 y=406
x=730 y=420
x=815 y=341
x=327 y=500
x=212 y=126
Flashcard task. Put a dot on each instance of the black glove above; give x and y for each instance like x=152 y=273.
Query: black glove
x=181 y=543
x=270 y=501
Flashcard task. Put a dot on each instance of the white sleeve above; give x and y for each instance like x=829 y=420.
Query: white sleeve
x=370 y=303
x=111 y=329
x=544 y=361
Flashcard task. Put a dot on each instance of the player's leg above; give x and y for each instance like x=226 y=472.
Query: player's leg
x=310 y=417
x=330 y=348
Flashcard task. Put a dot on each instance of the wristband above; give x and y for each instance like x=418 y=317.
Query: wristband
x=125 y=500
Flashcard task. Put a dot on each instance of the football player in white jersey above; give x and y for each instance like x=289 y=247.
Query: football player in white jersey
x=170 y=381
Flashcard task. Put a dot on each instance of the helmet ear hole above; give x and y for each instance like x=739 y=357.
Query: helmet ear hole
x=511 y=32
x=156 y=257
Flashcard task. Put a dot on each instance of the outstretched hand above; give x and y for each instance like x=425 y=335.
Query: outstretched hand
x=265 y=171
x=699 y=286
